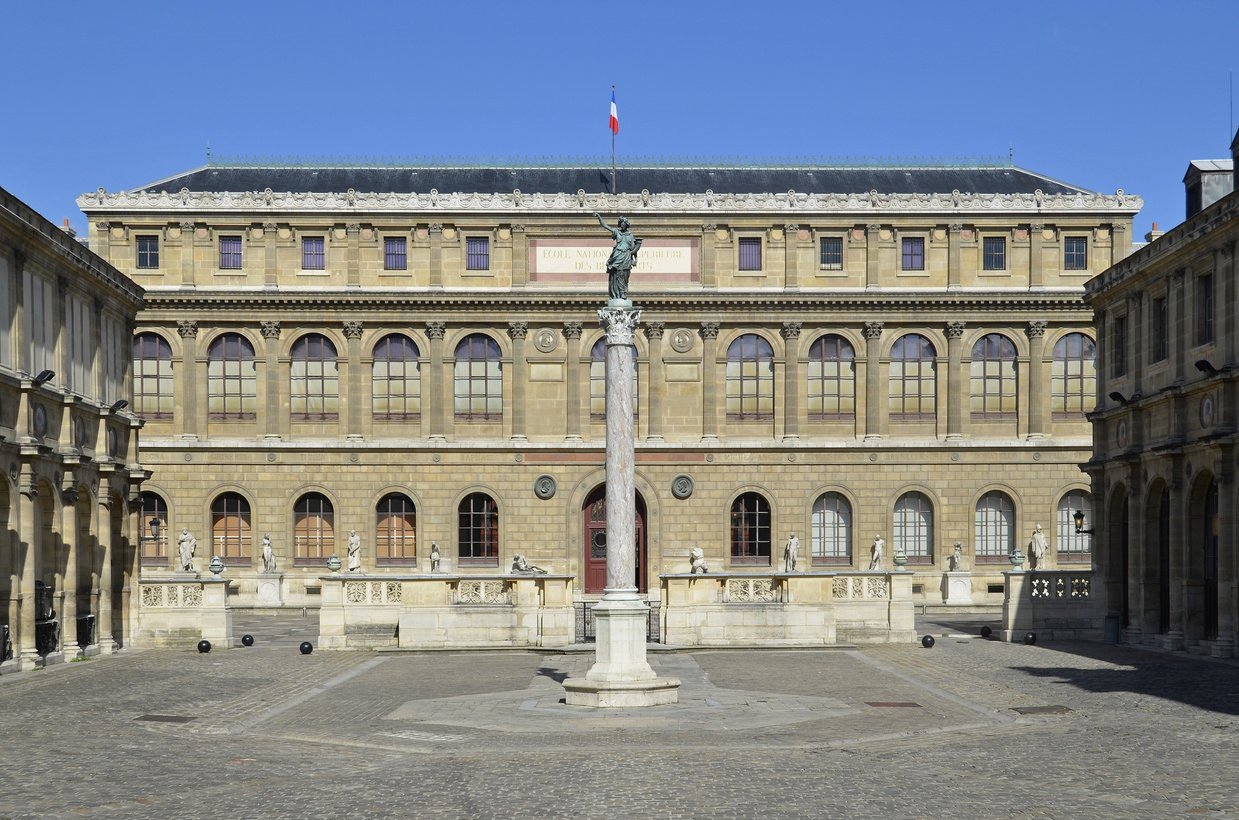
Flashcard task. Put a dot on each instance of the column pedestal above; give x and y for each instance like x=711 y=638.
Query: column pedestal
x=621 y=676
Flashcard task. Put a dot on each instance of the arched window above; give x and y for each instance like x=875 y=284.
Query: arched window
x=152 y=377
x=153 y=507
x=832 y=378
x=1069 y=541
x=395 y=530
x=993 y=377
x=396 y=379
x=230 y=527
x=750 y=529
x=832 y=529
x=912 y=379
x=598 y=381
x=232 y=379
x=995 y=525
x=478 y=530
x=750 y=378
x=314 y=527
x=479 y=380
x=914 y=527
x=1073 y=377
x=314 y=388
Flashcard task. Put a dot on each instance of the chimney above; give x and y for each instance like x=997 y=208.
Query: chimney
x=1153 y=235
x=67 y=228
x=1234 y=160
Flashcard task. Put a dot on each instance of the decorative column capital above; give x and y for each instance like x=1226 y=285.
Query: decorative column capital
x=352 y=330
x=1036 y=328
x=572 y=330
x=790 y=330
x=436 y=227
x=70 y=494
x=1036 y=227
x=873 y=330
x=353 y=227
x=107 y=226
x=791 y=229
x=269 y=226
x=518 y=227
x=436 y=330
x=518 y=330
x=654 y=330
x=955 y=329
x=708 y=227
x=619 y=323
x=873 y=227
x=955 y=227
x=187 y=328
x=270 y=330
x=709 y=330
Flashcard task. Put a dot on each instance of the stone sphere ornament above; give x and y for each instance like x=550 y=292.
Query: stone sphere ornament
x=247 y=640
x=927 y=641
x=204 y=646
x=1030 y=638
x=306 y=647
x=986 y=632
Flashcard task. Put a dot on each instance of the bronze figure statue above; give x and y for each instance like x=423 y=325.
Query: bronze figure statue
x=622 y=259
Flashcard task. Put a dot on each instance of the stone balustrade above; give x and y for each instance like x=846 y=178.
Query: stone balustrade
x=179 y=611
x=1053 y=603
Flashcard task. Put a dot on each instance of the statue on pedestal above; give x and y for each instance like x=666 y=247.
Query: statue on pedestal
x=622 y=259
x=697 y=561
x=268 y=554
x=520 y=565
x=1038 y=547
x=956 y=559
x=186 y=546
x=875 y=554
x=790 y=553
x=354 y=551
x=435 y=558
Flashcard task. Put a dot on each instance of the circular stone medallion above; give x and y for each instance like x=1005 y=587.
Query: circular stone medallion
x=1206 y=411
x=682 y=486
x=544 y=487
x=1121 y=434
x=40 y=421
x=681 y=341
x=545 y=340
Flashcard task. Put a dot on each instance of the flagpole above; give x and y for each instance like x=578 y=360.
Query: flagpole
x=613 y=147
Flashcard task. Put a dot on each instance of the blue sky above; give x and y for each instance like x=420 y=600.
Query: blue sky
x=1105 y=95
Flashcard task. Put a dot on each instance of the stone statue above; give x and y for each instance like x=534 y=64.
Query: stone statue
x=791 y=553
x=955 y=560
x=622 y=259
x=697 y=561
x=354 y=551
x=519 y=564
x=1038 y=546
x=434 y=557
x=875 y=555
x=186 y=546
x=268 y=555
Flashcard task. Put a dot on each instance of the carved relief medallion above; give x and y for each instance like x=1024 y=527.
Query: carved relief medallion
x=681 y=341
x=544 y=340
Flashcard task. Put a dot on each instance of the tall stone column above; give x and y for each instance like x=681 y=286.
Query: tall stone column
x=1036 y=378
x=657 y=383
x=955 y=394
x=709 y=381
x=790 y=331
x=71 y=533
x=572 y=365
x=873 y=380
x=1224 y=646
x=273 y=414
x=29 y=545
x=1136 y=559
x=187 y=421
x=517 y=331
x=621 y=676
x=355 y=393
x=103 y=627
x=435 y=410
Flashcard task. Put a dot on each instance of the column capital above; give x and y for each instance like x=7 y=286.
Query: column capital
x=955 y=329
x=790 y=229
x=709 y=330
x=352 y=330
x=873 y=330
x=955 y=227
x=873 y=227
x=1036 y=227
x=28 y=481
x=269 y=226
x=708 y=227
x=518 y=330
x=790 y=330
x=187 y=328
x=436 y=330
x=270 y=330
x=619 y=324
x=353 y=227
x=572 y=330
x=654 y=330
x=1036 y=328
x=518 y=227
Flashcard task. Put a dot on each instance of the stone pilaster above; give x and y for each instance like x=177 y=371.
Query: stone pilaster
x=188 y=420
x=436 y=403
x=30 y=544
x=274 y=419
x=873 y=262
x=517 y=331
x=955 y=395
x=709 y=254
x=1036 y=378
x=354 y=396
x=656 y=383
x=954 y=240
x=790 y=331
x=709 y=381
x=1224 y=646
x=436 y=255
x=520 y=255
x=572 y=365
x=353 y=253
x=1036 y=256
x=103 y=625
x=271 y=269
x=874 y=415
x=71 y=535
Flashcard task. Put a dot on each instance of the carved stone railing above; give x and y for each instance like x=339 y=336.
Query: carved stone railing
x=1052 y=603
x=179 y=611
x=372 y=591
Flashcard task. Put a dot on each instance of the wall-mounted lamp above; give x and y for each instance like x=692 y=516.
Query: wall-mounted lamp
x=1206 y=367
x=154 y=528
x=44 y=377
x=1119 y=397
x=1079 y=519
x=118 y=405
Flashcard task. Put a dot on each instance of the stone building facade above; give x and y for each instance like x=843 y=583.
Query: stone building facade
x=1165 y=433
x=68 y=445
x=412 y=353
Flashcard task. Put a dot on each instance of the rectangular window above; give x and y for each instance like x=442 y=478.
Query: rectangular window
x=477 y=250
x=995 y=252
x=832 y=253
x=913 y=253
x=1118 y=347
x=148 y=252
x=312 y=253
x=1204 y=310
x=395 y=253
x=1160 y=341
x=230 y=253
x=750 y=253
x=1075 y=253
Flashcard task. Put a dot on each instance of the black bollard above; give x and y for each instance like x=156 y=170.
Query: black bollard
x=204 y=646
x=1030 y=638
x=927 y=641
x=247 y=640
x=986 y=632
x=306 y=647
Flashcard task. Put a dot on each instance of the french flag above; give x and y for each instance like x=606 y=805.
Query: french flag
x=614 y=115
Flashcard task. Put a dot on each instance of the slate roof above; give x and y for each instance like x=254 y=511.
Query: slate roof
x=657 y=180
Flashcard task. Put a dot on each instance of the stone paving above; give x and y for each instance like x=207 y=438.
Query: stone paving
x=897 y=731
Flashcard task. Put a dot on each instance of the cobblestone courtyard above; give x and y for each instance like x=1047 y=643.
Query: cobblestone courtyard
x=970 y=728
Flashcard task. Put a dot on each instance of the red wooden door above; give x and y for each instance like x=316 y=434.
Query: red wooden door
x=595 y=532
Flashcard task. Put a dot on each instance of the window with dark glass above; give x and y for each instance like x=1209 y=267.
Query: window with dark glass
x=478 y=529
x=396 y=382
x=750 y=253
x=994 y=251
x=1160 y=341
x=832 y=378
x=231 y=534
x=395 y=253
x=154 y=551
x=230 y=253
x=1204 y=310
x=913 y=379
x=314 y=379
x=598 y=381
x=832 y=529
x=479 y=379
x=1118 y=346
x=313 y=253
x=477 y=253
x=750 y=378
x=1075 y=253
x=993 y=377
x=232 y=382
x=395 y=529
x=314 y=529
x=750 y=529
x=1070 y=541
x=148 y=252
x=913 y=253
x=831 y=253
x=995 y=525
x=1073 y=377
x=914 y=527
x=153 y=389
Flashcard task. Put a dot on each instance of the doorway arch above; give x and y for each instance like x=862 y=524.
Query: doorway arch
x=594 y=542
